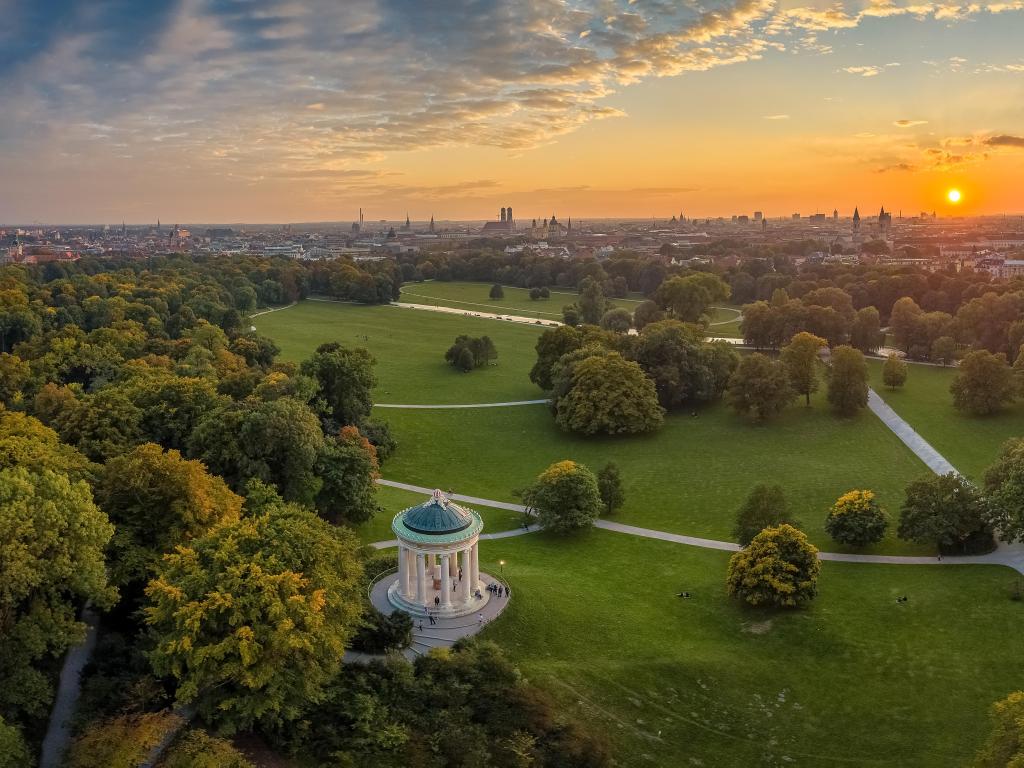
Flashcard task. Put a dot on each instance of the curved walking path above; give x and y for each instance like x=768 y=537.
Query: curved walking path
x=463 y=405
x=1011 y=556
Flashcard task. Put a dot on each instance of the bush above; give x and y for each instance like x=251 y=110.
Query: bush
x=497 y=292
x=380 y=633
x=779 y=568
x=857 y=519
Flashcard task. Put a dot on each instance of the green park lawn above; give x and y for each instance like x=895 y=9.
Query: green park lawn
x=409 y=346
x=476 y=297
x=971 y=443
x=725 y=321
x=689 y=477
x=855 y=679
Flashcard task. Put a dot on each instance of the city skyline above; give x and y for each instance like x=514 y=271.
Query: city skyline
x=283 y=111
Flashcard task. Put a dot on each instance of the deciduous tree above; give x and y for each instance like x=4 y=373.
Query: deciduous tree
x=1005 y=745
x=565 y=497
x=348 y=466
x=252 y=619
x=765 y=507
x=857 y=519
x=607 y=394
x=778 y=568
x=948 y=511
x=345 y=378
x=983 y=384
x=894 y=372
x=847 y=381
x=609 y=483
x=760 y=387
x=800 y=357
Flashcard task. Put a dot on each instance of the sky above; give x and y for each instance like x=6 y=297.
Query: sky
x=288 y=110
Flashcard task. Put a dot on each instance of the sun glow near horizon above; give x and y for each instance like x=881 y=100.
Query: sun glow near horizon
x=954 y=196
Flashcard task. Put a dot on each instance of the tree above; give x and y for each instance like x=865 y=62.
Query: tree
x=606 y=394
x=1005 y=745
x=944 y=350
x=345 y=379
x=1004 y=487
x=469 y=352
x=984 y=383
x=617 y=320
x=252 y=619
x=945 y=510
x=800 y=357
x=847 y=381
x=609 y=484
x=894 y=372
x=13 y=751
x=647 y=312
x=765 y=507
x=759 y=387
x=551 y=346
x=857 y=519
x=14 y=376
x=100 y=425
x=778 y=568
x=683 y=366
x=276 y=441
x=157 y=501
x=565 y=497
x=348 y=466
x=497 y=292
x=592 y=304
x=52 y=540
x=866 y=331
x=688 y=298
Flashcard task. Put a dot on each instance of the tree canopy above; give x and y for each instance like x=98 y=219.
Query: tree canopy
x=778 y=568
x=565 y=497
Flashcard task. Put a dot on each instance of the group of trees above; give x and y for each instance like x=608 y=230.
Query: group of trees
x=157 y=461
x=606 y=382
x=469 y=352
x=762 y=387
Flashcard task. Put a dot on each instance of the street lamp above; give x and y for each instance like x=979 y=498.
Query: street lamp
x=502 y=564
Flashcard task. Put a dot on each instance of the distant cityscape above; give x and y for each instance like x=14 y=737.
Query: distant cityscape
x=994 y=244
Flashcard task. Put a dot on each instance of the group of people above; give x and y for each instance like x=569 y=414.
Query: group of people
x=499 y=590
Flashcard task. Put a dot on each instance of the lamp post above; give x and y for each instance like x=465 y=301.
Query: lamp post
x=502 y=564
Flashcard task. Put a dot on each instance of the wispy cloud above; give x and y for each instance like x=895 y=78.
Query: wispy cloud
x=909 y=123
x=776 y=117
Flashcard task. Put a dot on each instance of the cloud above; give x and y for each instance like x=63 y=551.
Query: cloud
x=1005 y=140
x=864 y=71
x=776 y=117
x=909 y=123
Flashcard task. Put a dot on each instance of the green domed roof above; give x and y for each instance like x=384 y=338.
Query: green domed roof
x=437 y=516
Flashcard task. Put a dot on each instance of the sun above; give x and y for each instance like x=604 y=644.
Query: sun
x=953 y=196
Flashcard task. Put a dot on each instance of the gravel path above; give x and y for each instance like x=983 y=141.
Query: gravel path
x=463 y=405
x=921 y=448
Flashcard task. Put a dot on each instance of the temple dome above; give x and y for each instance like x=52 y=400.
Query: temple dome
x=437 y=516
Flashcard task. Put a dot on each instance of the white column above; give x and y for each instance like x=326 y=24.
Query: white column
x=410 y=568
x=476 y=564
x=402 y=566
x=446 y=582
x=421 y=580
x=467 y=570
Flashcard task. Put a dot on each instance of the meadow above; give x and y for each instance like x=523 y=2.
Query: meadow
x=971 y=443
x=855 y=679
x=409 y=347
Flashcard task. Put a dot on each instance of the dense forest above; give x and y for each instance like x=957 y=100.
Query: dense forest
x=161 y=467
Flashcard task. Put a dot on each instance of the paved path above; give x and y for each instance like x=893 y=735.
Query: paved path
x=58 y=730
x=444 y=633
x=484 y=315
x=921 y=448
x=463 y=405
x=1008 y=555
x=275 y=309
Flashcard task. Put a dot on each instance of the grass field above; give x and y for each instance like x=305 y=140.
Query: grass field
x=409 y=346
x=854 y=680
x=725 y=321
x=476 y=296
x=689 y=477
x=971 y=443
